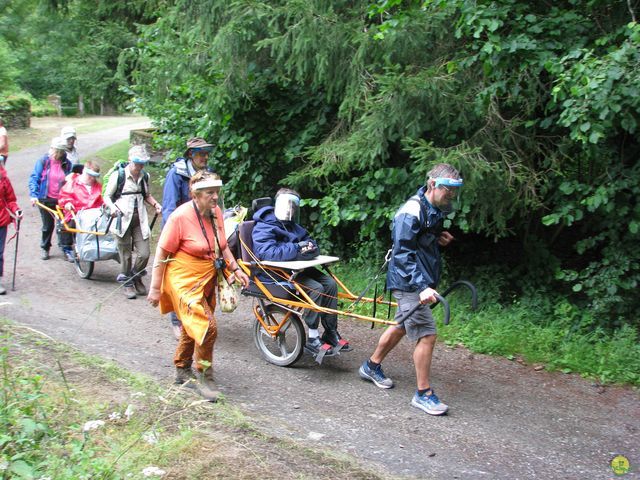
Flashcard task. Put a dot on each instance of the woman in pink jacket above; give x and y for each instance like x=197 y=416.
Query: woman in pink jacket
x=80 y=191
x=9 y=211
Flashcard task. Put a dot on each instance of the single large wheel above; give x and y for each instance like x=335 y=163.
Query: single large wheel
x=84 y=269
x=287 y=346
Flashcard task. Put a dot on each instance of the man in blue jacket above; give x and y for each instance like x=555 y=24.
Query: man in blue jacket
x=176 y=190
x=413 y=275
x=278 y=237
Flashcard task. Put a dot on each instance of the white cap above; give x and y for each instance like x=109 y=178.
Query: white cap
x=206 y=183
x=68 y=132
x=59 y=143
x=138 y=154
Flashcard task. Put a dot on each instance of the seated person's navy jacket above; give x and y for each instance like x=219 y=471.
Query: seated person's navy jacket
x=276 y=240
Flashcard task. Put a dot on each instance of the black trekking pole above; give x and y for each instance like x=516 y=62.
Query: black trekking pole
x=15 y=256
x=153 y=222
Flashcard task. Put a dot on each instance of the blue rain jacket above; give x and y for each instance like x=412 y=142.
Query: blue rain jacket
x=39 y=178
x=275 y=240
x=176 y=186
x=415 y=259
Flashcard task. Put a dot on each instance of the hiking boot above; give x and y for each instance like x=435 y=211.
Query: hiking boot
x=430 y=403
x=129 y=292
x=206 y=391
x=338 y=343
x=183 y=375
x=139 y=286
x=203 y=386
x=375 y=375
x=44 y=254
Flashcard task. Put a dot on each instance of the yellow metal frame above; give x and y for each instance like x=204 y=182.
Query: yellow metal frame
x=59 y=214
x=302 y=300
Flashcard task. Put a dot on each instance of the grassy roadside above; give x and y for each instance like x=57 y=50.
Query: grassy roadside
x=543 y=332
x=45 y=128
x=67 y=415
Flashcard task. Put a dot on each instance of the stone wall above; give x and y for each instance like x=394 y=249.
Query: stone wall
x=16 y=113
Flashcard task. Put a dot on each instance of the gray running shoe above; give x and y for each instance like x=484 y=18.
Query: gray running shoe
x=429 y=403
x=375 y=375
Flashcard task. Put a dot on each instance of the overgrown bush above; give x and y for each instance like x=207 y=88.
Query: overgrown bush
x=351 y=102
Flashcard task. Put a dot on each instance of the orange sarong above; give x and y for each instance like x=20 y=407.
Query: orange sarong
x=188 y=289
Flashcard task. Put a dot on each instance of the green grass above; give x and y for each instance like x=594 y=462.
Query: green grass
x=50 y=391
x=44 y=129
x=110 y=155
x=540 y=330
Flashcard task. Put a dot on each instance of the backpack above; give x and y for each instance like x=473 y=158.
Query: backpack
x=119 y=167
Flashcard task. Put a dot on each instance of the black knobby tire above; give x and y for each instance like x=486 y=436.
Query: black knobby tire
x=287 y=347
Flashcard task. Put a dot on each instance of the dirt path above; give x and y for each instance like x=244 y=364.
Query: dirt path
x=506 y=420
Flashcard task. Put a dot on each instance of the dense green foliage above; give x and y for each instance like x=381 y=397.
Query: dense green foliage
x=69 y=48
x=350 y=102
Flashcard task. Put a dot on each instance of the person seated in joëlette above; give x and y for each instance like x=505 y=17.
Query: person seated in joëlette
x=80 y=191
x=278 y=237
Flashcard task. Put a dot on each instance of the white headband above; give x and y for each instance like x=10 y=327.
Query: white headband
x=90 y=172
x=206 y=183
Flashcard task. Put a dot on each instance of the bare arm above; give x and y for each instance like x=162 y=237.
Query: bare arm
x=157 y=274
x=236 y=271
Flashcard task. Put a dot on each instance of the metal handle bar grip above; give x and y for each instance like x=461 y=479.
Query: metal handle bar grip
x=470 y=286
x=445 y=305
x=441 y=299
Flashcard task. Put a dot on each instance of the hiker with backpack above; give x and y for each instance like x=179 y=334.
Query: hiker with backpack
x=125 y=194
x=176 y=190
x=413 y=276
x=45 y=183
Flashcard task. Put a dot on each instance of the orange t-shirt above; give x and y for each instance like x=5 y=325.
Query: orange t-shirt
x=182 y=232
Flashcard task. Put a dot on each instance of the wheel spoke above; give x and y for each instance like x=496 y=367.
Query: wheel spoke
x=283 y=346
x=285 y=327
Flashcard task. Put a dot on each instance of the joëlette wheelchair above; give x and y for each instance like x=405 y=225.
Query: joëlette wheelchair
x=278 y=329
x=96 y=244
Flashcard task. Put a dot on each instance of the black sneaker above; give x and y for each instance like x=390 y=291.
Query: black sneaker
x=338 y=343
x=315 y=346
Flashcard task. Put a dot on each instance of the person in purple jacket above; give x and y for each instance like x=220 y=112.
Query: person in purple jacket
x=278 y=237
